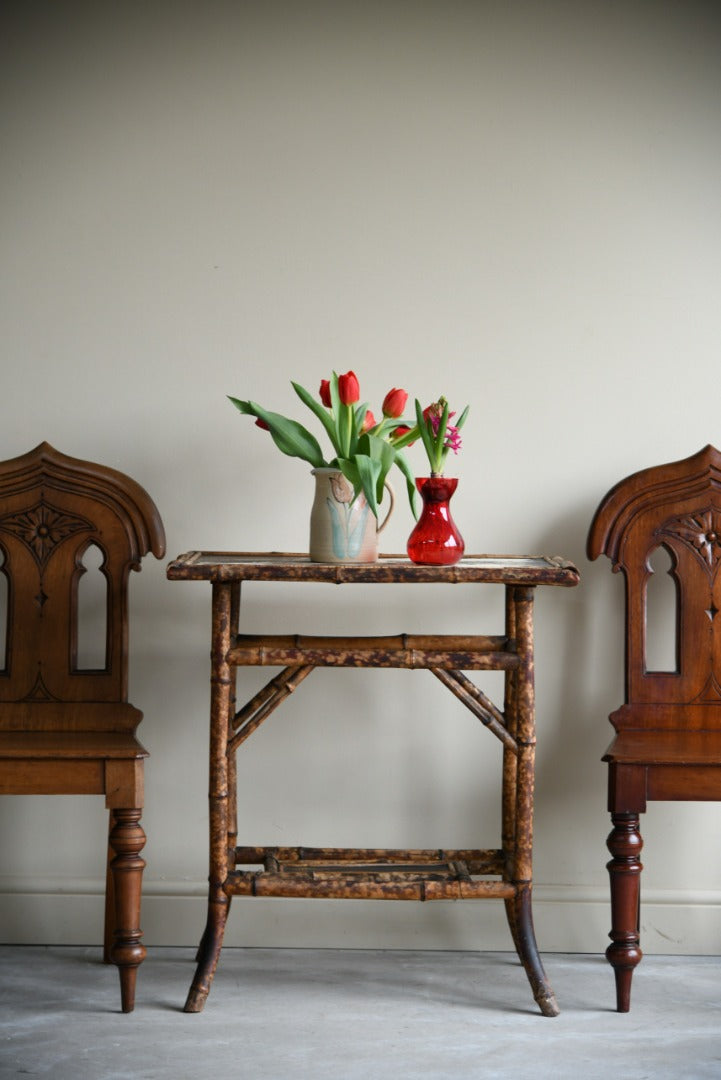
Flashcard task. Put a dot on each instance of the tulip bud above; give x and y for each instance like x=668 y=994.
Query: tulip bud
x=394 y=403
x=348 y=388
x=369 y=421
x=400 y=432
x=262 y=424
x=324 y=393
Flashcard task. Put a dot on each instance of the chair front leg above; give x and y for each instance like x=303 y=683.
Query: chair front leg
x=127 y=840
x=624 y=953
x=109 y=924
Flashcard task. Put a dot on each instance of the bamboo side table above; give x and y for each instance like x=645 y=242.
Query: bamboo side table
x=503 y=873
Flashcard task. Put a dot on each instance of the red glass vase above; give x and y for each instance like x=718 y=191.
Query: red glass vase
x=435 y=540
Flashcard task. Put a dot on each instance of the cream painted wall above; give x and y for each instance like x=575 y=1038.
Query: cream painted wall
x=517 y=205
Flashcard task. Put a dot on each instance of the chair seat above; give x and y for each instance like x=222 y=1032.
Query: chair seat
x=61 y=716
x=73 y=763
x=70 y=745
x=665 y=748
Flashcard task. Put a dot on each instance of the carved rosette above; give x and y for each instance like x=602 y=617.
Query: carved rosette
x=42 y=528
x=701 y=533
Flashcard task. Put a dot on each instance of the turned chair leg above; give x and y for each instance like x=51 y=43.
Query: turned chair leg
x=127 y=840
x=109 y=924
x=624 y=953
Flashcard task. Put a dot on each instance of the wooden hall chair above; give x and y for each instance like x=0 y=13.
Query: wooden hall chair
x=668 y=732
x=66 y=728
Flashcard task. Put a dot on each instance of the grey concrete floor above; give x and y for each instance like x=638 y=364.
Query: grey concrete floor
x=355 y=1015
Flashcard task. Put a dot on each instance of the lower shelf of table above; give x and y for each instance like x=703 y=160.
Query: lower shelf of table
x=369 y=874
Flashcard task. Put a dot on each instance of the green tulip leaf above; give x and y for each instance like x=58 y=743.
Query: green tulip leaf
x=319 y=409
x=410 y=481
x=425 y=435
x=290 y=437
x=368 y=471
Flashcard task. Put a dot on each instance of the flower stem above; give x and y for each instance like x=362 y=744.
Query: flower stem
x=347 y=429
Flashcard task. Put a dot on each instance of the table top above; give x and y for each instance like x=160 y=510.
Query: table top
x=228 y=567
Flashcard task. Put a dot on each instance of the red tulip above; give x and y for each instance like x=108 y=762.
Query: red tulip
x=348 y=388
x=400 y=431
x=395 y=402
x=369 y=422
x=262 y=424
x=325 y=393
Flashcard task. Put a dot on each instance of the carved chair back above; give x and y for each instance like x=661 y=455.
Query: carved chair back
x=676 y=507
x=53 y=508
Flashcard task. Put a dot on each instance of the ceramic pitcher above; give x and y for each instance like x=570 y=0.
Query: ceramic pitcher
x=342 y=528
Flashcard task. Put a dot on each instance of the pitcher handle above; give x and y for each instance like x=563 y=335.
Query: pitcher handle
x=391 y=493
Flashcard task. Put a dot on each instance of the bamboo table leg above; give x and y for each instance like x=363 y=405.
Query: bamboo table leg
x=232 y=768
x=510 y=765
x=518 y=822
x=221 y=682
